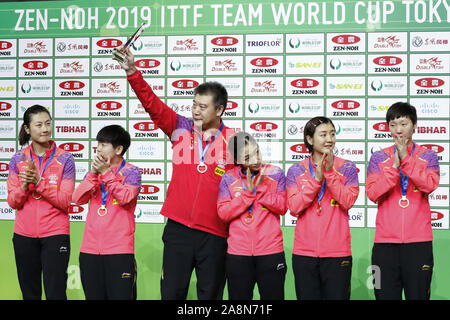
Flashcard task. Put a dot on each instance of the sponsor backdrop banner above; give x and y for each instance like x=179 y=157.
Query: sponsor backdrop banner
x=281 y=62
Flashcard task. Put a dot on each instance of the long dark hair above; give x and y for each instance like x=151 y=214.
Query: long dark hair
x=24 y=137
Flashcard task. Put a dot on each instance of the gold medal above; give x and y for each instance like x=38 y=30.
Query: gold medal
x=249 y=218
x=403 y=202
x=102 y=211
x=202 y=167
x=35 y=195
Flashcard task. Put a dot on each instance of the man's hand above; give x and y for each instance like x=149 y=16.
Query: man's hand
x=128 y=64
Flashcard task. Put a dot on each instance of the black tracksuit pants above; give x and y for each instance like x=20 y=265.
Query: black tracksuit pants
x=186 y=249
x=47 y=257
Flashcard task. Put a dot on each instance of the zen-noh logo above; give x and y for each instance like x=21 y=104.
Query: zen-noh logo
x=224 y=41
x=264 y=126
x=345 y=39
x=109 y=43
x=4 y=167
x=381 y=126
x=75 y=209
x=71 y=85
x=264 y=62
x=149 y=189
x=387 y=61
x=436 y=148
x=299 y=148
x=304 y=83
x=108 y=105
x=35 y=65
x=5 y=105
x=429 y=82
x=5 y=45
x=345 y=104
x=72 y=146
x=145 y=126
x=147 y=63
x=185 y=84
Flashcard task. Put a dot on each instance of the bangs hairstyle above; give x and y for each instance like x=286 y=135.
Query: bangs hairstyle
x=237 y=143
x=24 y=137
x=116 y=135
x=401 y=109
x=216 y=90
x=310 y=129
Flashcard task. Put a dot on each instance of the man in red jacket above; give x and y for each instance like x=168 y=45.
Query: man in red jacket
x=194 y=236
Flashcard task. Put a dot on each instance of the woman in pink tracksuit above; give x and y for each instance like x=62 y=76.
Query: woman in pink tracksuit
x=40 y=185
x=320 y=191
x=251 y=200
x=107 y=262
x=399 y=180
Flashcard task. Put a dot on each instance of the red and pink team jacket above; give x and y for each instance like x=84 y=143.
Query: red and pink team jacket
x=112 y=233
x=263 y=235
x=47 y=216
x=326 y=234
x=191 y=196
x=395 y=224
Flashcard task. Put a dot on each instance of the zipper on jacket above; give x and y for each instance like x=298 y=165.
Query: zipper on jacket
x=195 y=201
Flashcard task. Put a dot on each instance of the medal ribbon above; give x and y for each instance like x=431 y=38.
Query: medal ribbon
x=201 y=151
x=104 y=192
x=313 y=174
x=47 y=163
x=245 y=188
x=404 y=178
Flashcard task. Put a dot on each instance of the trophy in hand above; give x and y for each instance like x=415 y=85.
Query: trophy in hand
x=119 y=54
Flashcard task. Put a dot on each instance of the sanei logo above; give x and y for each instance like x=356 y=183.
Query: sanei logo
x=263 y=126
x=109 y=43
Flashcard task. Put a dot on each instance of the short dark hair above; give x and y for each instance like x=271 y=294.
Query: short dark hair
x=237 y=142
x=116 y=135
x=310 y=129
x=24 y=137
x=401 y=109
x=216 y=90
